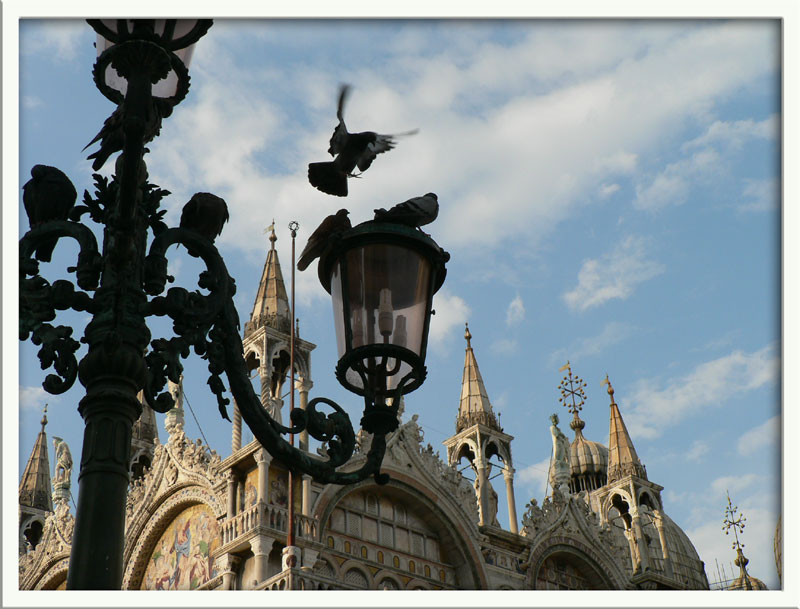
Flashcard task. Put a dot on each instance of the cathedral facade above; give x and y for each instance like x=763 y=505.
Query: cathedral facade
x=198 y=521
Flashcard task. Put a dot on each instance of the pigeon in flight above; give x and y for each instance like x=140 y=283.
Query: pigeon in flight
x=112 y=135
x=204 y=214
x=350 y=150
x=48 y=195
x=415 y=212
x=330 y=226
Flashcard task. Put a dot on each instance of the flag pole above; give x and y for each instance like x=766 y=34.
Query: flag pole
x=290 y=559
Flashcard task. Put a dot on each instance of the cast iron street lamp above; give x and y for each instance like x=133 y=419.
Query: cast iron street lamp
x=382 y=277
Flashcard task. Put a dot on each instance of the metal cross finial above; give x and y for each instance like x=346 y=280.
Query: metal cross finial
x=610 y=388
x=571 y=388
x=731 y=521
x=272 y=236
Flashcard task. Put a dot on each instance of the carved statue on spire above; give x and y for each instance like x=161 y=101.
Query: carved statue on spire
x=63 y=460
x=560 y=468
x=63 y=471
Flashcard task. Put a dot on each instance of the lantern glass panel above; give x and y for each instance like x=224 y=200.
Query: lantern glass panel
x=166 y=87
x=387 y=299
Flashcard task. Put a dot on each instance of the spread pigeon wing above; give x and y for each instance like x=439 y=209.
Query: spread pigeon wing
x=382 y=143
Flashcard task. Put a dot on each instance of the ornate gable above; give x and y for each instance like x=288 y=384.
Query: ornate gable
x=566 y=526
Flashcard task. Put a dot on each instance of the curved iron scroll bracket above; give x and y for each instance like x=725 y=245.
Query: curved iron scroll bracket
x=39 y=299
x=210 y=325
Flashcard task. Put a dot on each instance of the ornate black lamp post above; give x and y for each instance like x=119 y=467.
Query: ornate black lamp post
x=382 y=278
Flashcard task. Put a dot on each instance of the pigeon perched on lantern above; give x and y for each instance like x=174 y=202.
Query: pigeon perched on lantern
x=350 y=150
x=205 y=214
x=415 y=212
x=48 y=195
x=112 y=135
x=329 y=227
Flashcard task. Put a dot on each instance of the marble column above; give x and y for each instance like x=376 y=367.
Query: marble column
x=227 y=564
x=639 y=538
x=508 y=476
x=662 y=538
x=231 y=494
x=263 y=459
x=236 y=440
x=303 y=386
x=261 y=546
x=483 y=495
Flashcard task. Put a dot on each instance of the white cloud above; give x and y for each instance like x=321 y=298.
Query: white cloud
x=34 y=398
x=672 y=185
x=760 y=195
x=698 y=449
x=533 y=479
x=494 y=114
x=768 y=434
x=732 y=484
x=735 y=134
x=59 y=38
x=606 y=190
x=515 y=312
x=613 y=276
x=451 y=312
x=613 y=333
x=653 y=409
x=706 y=158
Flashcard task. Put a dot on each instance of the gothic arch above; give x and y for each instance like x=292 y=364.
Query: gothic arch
x=501 y=449
x=466 y=446
x=647 y=497
x=162 y=514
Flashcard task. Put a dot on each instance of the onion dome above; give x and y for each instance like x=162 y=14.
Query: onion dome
x=588 y=460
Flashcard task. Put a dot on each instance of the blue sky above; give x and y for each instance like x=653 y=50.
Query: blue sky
x=610 y=195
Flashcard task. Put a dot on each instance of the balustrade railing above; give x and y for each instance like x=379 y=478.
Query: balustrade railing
x=273 y=518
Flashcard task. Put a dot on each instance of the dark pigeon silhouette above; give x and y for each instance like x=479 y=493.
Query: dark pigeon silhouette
x=350 y=150
x=204 y=214
x=415 y=212
x=330 y=226
x=112 y=135
x=48 y=195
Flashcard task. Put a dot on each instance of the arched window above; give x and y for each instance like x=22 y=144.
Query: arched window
x=330 y=541
x=412 y=566
x=380 y=557
x=396 y=562
x=363 y=551
x=427 y=571
x=347 y=547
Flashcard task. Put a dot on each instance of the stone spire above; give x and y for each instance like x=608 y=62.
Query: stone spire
x=475 y=406
x=622 y=458
x=34 y=488
x=271 y=307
